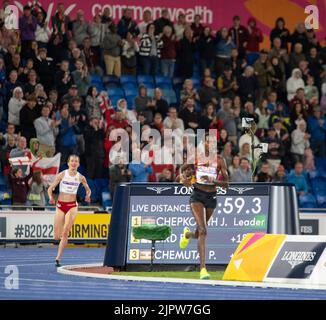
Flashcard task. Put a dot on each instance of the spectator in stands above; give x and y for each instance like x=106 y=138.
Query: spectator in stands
x=296 y=56
x=58 y=44
x=297 y=114
x=245 y=151
x=138 y=169
x=27 y=26
x=10 y=131
x=224 y=45
x=244 y=173
x=168 y=52
x=106 y=16
x=111 y=46
x=208 y=93
x=80 y=28
x=150 y=51
x=127 y=24
x=144 y=103
x=185 y=54
x=310 y=90
x=63 y=79
x=255 y=36
x=309 y=160
x=226 y=114
x=240 y=36
x=315 y=65
x=44 y=68
x=206 y=48
x=96 y=31
x=172 y=121
x=161 y=105
x=28 y=114
x=263 y=175
x=67 y=142
x=317 y=129
x=166 y=176
x=180 y=26
x=280 y=32
x=93 y=104
x=81 y=78
x=299 y=36
x=188 y=90
x=163 y=21
x=71 y=94
x=31 y=84
x=263 y=116
x=207 y=117
x=234 y=165
x=36 y=195
x=298 y=178
x=227 y=153
x=227 y=83
x=94 y=150
x=299 y=141
x=248 y=85
x=130 y=49
x=118 y=173
x=294 y=83
x=197 y=27
x=147 y=19
x=19 y=186
x=5 y=153
x=42 y=32
x=92 y=56
x=20 y=151
x=280 y=175
x=15 y=105
x=264 y=71
x=128 y=115
x=60 y=20
x=189 y=115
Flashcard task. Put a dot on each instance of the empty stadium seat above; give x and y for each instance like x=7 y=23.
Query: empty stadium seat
x=252 y=57
x=128 y=79
x=145 y=79
x=106 y=199
x=130 y=86
x=318 y=186
x=321 y=201
x=116 y=91
x=307 y=201
x=130 y=102
x=95 y=78
x=131 y=92
x=115 y=98
x=107 y=79
x=159 y=80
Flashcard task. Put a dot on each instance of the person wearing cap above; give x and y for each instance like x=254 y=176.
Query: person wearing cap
x=27 y=27
x=317 y=128
x=264 y=72
x=70 y=95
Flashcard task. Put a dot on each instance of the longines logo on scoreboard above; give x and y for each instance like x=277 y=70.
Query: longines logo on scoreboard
x=296 y=260
x=177 y=189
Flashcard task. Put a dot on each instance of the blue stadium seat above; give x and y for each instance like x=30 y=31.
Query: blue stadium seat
x=165 y=86
x=145 y=79
x=321 y=201
x=112 y=85
x=307 y=201
x=150 y=92
x=170 y=96
x=318 y=185
x=2 y=180
x=196 y=82
x=130 y=102
x=320 y=163
x=252 y=57
x=115 y=98
x=131 y=92
x=106 y=199
x=320 y=173
x=160 y=80
x=128 y=79
x=107 y=79
x=116 y=91
x=95 y=78
x=130 y=86
x=178 y=81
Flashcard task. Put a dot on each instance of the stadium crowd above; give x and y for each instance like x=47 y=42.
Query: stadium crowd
x=66 y=83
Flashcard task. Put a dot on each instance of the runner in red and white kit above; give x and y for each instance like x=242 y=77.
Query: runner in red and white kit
x=67 y=206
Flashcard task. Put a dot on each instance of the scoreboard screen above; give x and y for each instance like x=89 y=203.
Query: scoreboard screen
x=240 y=210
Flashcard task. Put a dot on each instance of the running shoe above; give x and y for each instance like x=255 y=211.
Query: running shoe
x=57 y=263
x=204 y=275
x=183 y=240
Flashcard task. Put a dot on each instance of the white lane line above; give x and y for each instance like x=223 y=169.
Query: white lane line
x=68 y=270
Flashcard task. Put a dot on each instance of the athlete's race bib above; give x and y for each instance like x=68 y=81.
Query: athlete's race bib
x=206 y=175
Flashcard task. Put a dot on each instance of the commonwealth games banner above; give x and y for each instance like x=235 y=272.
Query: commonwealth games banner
x=216 y=13
x=20 y=227
x=279 y=258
